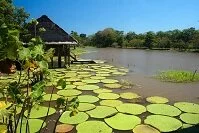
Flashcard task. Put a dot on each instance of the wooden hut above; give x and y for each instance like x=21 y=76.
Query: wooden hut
x=55 y=37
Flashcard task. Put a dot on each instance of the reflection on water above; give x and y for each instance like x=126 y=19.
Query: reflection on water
x=147 y=62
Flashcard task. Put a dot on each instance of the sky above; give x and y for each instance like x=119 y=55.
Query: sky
x=140 y=16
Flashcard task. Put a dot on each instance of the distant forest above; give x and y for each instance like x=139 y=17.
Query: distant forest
x=187 y=39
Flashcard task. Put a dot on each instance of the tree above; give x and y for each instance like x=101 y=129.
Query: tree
x=149 y=39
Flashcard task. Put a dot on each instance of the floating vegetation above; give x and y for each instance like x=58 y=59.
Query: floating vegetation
x=108 y=96
x=163 y=109
x=102 y=112
x=178 y=76
x=145 y=129
x=123 y=121
x=76 y=119
x=187 y=107
x=69 y=93
x=190 y=118
x=130 y=108
x=97 y=77
x=102 y=91
x=88 y=99
x=47 y=97
x=91 y=81
x=85 y=106
x=93 y=127
x=163 y=123
x=79 y=83
x=109 y=81
x=113 y=86
x=129 y=95
x=88 y=87
x=63 y=128
x=157 y=99
x=111 y=103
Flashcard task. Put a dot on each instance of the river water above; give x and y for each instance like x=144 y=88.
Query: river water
x=143 y=64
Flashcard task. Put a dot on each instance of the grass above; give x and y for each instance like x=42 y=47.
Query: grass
x=78 y=51
x=178 y=76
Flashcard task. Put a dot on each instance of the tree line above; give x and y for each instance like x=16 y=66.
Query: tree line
x=173 y=39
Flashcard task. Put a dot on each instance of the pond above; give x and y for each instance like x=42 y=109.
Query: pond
x=143 y=64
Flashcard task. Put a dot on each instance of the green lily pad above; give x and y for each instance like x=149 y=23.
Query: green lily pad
x=102 y=72
x=73 y=79
x=88 y=99
x=102 y=91
x=102 y=112
x=129 y=95
x=47 y=97
x=40 y=111
x=163 y=123
x=111 y=103
x=83 y=73
x=93 y=127
x=109 y=81
x=123 y=121
x=79 y=83
x=70 y=87
x=186 y=126
x=103 y=75
x=157 y=99
x=76 y=119
x=3 y=128
x=88 y=87
x=190 y=118
x=163 y=109
x=97 y=77
x=68 y=93
x=119 y=73
x=130 y=108
x=69 y=75
x=91 y=81
x=113 y=86
x=85 y=106
x=145 y=129
x=108 y=96
x=187 y=107
x=84 y=76
x=34 y=125
x=63 y=128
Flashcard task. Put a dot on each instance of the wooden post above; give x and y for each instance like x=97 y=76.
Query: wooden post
x=51 y=62
x=68 y=52
x=59 y=56
x=65 y=48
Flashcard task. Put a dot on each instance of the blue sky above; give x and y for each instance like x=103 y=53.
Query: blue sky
x=90 y=16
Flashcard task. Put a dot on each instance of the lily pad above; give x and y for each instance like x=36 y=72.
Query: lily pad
x=113 y=86
x=85 y=106
x=68 y=93
x=130 y=108
x=91 y=81
x=157 y=99
x=47 y=97
x=123 y=121
x=102 y=91
x=93 y=127
x=70 y=87
x=187 y=107
x=3 y=128
x=145 y=129
x=88 y=99
x=102 y=112
x=88 y=87
x=119 y=73
x=109 y=81
x=97 y=77
x=79 y=83
x=190 y=118
x=34 y=125
x=111 y=103
x=83 y=73
x=163 y=123
x=186 y=126
x=73 y=79
x=40 y=111
x=108 y=96
x=84 y=76
x=129 y=95
x=63 y=128
x=76 y=119
x=68 y=75
x=103 y=75
x=163 y=109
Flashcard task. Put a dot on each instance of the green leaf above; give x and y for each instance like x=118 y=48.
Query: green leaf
x=24 y=54
x=61 y=83
x=43 y=65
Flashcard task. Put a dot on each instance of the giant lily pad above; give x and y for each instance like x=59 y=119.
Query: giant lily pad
x=68 y=93
x=163 y=109
x=144 y=129
x=113 y=86
x=187 y=107
x=76 y=119
x=108 y=96
x=111 y=103
x=190 y=118
x=130 y=108
x=119 y=73
x=88 y=87
x=63 y=128
x=102 y=112
x=97 y=77
x=129 y=95
x=73 y=79
x=85 y=106
x=93 y=127
x=163 y=123
x=47 y=97
x=70 y=87
x=69 y=75
x=79 y=83
x=84 y=76
x=157 y=99
x=103 y=75
x=40 y=111
x=123 y=121
x=34 y=125
x=109 y=81
x=102 y=91
x=91 y=81
x=88 y=99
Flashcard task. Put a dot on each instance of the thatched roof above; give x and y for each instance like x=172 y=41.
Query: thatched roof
x=53 y=34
